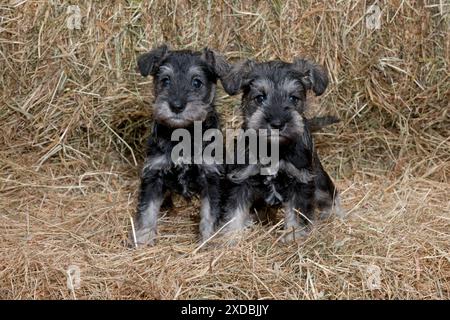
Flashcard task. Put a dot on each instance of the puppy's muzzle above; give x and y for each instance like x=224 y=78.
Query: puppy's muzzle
x=177 y=106
x=277 y=124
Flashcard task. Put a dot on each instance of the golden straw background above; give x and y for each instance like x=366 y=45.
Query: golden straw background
x=75 y=114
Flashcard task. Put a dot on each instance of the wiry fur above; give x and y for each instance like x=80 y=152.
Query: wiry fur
x=179 y=101
x=274 y=97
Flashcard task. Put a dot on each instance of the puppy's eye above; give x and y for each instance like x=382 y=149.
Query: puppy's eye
x=165 y=82
x=196 y=83
x=260 y=99
x=293 y=99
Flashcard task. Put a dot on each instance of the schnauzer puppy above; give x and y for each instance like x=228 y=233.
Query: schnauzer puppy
x=184 y=88
x=274 y=97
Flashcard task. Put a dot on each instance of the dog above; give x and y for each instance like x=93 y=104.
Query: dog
x=274 y=98
x=184 y=85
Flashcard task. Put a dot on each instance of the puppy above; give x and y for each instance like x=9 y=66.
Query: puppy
x=184 y=85
x=274 y=98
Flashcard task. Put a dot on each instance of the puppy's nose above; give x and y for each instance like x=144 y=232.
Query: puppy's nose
x=176 y=106
x=277 y=124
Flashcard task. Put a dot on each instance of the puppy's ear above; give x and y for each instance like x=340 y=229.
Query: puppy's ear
x=217 y=62
x=313 y=76
x=237 y=77
x=148 y=63
x=233 y=77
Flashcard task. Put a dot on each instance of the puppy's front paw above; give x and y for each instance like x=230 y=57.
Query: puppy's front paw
x=324 y=214
x=144 y=237
x=340 y=212
x=206 y=234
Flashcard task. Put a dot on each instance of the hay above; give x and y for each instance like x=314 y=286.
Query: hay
x=74 y=116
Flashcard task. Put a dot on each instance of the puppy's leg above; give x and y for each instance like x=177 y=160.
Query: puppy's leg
x=238 y=208
x=298 y=211
x=210 y=208
x=326 y=196
x=327 y=201
x=291 y=223
x=150 y=199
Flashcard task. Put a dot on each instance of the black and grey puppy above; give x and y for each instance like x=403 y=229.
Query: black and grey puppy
x=184 y=89
x=274 y=97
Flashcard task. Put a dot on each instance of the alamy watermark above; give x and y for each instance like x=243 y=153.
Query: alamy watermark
x=373 y=277
x=252 y=147
x=373 y=17
x=73 y=274
x=74 y=18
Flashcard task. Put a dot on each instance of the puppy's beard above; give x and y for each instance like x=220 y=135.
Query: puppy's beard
x=256 y=121
x=280 y=139
x=293 y=130
x=273 y=136
x=194 y=111
x=287 y=136
x=175 y=122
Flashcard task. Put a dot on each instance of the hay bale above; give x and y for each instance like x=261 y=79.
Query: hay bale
x=74 y=116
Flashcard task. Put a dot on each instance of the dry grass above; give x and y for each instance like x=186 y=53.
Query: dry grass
x=74 y=116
